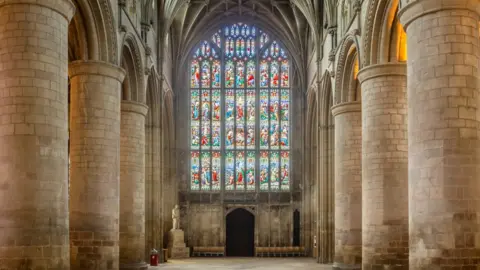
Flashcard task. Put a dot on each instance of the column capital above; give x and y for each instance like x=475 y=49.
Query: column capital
x=92 y=67
x=135 y=107
x=64 y=7
x=346 y=107
x=414 y=9
x=379 y=70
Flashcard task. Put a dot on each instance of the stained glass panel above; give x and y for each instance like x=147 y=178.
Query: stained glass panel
x=263 y=40
x=285 y=105
x=216 y=132
x=216 y=71
x=274 y=74
x=206 y=175
x=205 y=141
x=195 y=170
x=216 y=170
x=284 y=138
x=216 y=100
x=285 y=71
x=251 y=106
x=230 y=105
x=240 y=47
x=229 y=47
x=285 y=170
x=240 y=76
x=229 y=170
x=240 y=113
x=263 y=105
x=206 y=105
x=206 y=74
x=195 y=139
x=195 y=106
x=250 y=175
x=216 y=39
x=250 y=47
x=195 y=75
x=251 y=74
x=229 y=74
x=240 y=170
x=264 y=171
x=264 y=74
x=274 y=170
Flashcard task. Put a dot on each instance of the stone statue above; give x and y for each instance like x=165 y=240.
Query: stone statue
x=176 y=217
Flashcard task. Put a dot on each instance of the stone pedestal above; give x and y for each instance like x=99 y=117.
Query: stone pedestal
x=176 y=245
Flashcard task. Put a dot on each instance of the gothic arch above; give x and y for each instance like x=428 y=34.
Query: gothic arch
x=384 y=39
x=346 y=83
x=248 y=209
x=132 y=62
x=91 y=32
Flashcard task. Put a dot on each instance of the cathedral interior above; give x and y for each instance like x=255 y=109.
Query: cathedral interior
x=240 y=128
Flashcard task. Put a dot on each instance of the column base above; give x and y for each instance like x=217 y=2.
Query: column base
x=134 y=266
x=342 y=266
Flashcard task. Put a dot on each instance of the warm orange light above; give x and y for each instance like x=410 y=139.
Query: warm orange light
x=402 y=45
x=355 y=67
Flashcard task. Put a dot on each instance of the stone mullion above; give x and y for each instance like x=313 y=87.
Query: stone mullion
x=384 y=166
x=443 y=133
x=34 y=134
x=348 y=186
x=95 y=164
x=132 y=186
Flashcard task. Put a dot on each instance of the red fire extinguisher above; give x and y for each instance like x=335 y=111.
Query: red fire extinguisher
x=154 y=257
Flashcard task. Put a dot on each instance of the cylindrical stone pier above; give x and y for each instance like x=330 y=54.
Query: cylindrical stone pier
x=132 y=185
x=443 y=133
x=348 y=185
x=384 y=167
x=94 y=164
x=34 y=134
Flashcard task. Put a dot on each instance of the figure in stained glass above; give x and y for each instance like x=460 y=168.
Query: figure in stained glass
x=251 y=106
x=229 y=74
x=250 y=74
x=240 y=74
x=216 y=74
x=240 y=113
x=264 y=105
x=229 y=170
x=240 y=136
x=206 y=74
x=274 y=74
x=195 y=139
x=195 y=77
x=274 y=134
x=195 y=104
x=250 y=175
x=216 y=98
x=264 y=135
x=195 y=169
x=240 y=169
x=274 y=170
x=205 y=105
x=229 y=136
x=205 y=141
x=251 y=137
x=285 y=70
x=264 y=176
x=230 y=105
x=263 y=74
x=216 y=169
x=284 y=105
x=285 y=170
x=216 y=136
x=284 y=136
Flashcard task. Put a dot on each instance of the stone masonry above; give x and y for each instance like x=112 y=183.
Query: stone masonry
x=443 y=133
x=34 y=134
x=94 y=165
x=132 y=185
x=348 y=185
x=384 y=167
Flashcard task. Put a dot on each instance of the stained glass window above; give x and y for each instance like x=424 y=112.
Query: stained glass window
x=239 y=107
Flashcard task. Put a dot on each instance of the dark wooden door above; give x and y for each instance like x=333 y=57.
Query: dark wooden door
x=240 y=233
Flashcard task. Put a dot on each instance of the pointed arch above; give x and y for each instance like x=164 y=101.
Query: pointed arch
x=346 y=83
x=385 y=38
x=92 y=35
x=133 y=87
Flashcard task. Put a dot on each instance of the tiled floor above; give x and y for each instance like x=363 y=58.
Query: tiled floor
x=243 y=264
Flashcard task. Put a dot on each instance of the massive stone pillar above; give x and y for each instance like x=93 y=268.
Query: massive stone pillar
x=384 y=167
x=34 y=134
x=348 y=185
x=94 y=164
x=132 y=186
x=443 y=133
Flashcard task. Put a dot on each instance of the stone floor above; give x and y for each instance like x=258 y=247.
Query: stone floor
x=243 y=263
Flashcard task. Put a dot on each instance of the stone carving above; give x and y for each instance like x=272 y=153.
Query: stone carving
x=176 y=217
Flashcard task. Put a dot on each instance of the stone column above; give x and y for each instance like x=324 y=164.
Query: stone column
x=34 y=134
x=384 y=167
x=348 y=185
x=443 y=133
x=132 y=186
x=94 y=164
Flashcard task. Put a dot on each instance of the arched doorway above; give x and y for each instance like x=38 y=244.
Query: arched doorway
x=240 y=233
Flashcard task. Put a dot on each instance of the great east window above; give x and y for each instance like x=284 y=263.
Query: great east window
x=240 y=112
